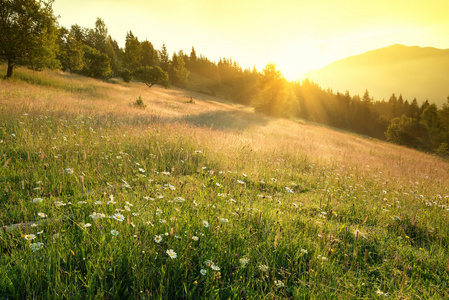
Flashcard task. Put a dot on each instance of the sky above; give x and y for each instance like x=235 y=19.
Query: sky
x=297 y=35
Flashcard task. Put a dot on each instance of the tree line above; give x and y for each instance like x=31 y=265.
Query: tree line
x=32 y=37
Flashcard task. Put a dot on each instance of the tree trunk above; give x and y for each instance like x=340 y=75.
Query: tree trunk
x=10 y=68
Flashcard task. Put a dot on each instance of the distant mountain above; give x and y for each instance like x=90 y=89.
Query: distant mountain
x=411 y=71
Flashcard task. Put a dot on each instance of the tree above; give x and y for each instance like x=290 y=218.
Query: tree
x=405 y=131
x=151 y=76
x=164 y=59
x=70 y=51
x=133 y=52
x=27 y=33
x=149 y=55
x=273 y=98
x=97 y=63
x=178 y=72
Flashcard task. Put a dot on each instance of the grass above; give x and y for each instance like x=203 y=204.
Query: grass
x=293 y=210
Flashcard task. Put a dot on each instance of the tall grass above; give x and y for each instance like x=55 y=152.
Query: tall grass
x=253 y=207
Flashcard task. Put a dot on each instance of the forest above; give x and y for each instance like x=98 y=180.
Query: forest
x=93 y=52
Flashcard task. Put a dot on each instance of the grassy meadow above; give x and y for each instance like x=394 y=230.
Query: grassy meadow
x=196 y=197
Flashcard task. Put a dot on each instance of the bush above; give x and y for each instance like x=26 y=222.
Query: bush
x=139 y=103
x=126 y=75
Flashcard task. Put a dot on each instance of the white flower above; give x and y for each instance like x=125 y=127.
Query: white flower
x=87 y=225
x=203 y=272
x=263 y=268
x=142 y=170
x=244 y=261
x=206 y=224
x=95 y=216
x=36 y=246
x=69 y=170
x=179 y=199
x=215 y=268
x=172 y=254
x=380 y=293
x=114 y=232
x=127 y=208
x=30 y=237
x=37 y=200
x=98 y=203
x=40 y=232
x=158 y=239
x=304 y=251
x=42 y=215
x=223 y=220
x=279 y=283
x=118 y=217
x=217 y=184
x=195 y=238
x=240 y=182
x=158 y=211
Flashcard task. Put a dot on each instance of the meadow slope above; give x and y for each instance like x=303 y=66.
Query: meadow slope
x=194 y=196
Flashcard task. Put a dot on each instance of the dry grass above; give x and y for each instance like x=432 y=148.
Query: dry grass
x=230 y=130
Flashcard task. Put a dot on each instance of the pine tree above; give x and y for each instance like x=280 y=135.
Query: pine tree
x=133 y=52
x=164 y=59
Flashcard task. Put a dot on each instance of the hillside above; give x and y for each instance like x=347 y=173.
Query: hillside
x=194 y=197
x=410 y=71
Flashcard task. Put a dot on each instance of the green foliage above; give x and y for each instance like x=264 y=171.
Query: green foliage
x=406 y=131
x=133 y=52
x=178 y=73
x=28 y=34
x=70 y=51
x=139 y=103
x=151 y=76
x=96 y=63
x=149 y=55
x=126 y=75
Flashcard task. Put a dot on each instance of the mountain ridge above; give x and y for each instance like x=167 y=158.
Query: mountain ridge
x=412 y=71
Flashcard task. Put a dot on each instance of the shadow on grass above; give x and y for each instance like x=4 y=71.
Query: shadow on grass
x=227 y=120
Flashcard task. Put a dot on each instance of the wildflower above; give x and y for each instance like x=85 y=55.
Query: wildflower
x=111 y=202
x=171 y=187
x=279 y=283
x=69 y=170
x=263 y=268
x=240 y=182
x=98 y=203
x=288 y=190
x=94 y=215
x=127 y=208
x=36 y=246
x=223 y=220
x=195 y=238
x=243 y=262
x=322 y=258
x=42 y=215
x=40 y=232
x=206 y=224
x=158 y=239
x=118 y=217
x=165 y=173
x=37 y=200
x=304 y=251
x=380 y=293
x=87 y=225
x=172 y=254
x=30 y=237
x=215 y=268
x=208 y=262
x=142 y=170
x=158 y=211
x=217 y=184
x=203 y=272
x=179 y=199
x=114 y=232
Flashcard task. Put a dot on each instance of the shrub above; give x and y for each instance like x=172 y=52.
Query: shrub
x=139 y=103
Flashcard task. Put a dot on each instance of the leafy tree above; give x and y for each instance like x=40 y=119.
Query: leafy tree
x=151 y=76
x=133 y=52
x=96 y=63
x=405 y=131
x=100 y=35
x=70 y=51
x=28 y=34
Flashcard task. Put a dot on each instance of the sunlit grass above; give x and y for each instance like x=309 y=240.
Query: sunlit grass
x=172 y=201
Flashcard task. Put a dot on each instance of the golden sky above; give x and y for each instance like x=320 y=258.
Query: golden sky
x=297 y=35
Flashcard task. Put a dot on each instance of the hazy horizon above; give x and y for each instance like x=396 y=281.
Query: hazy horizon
x=296 y=35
